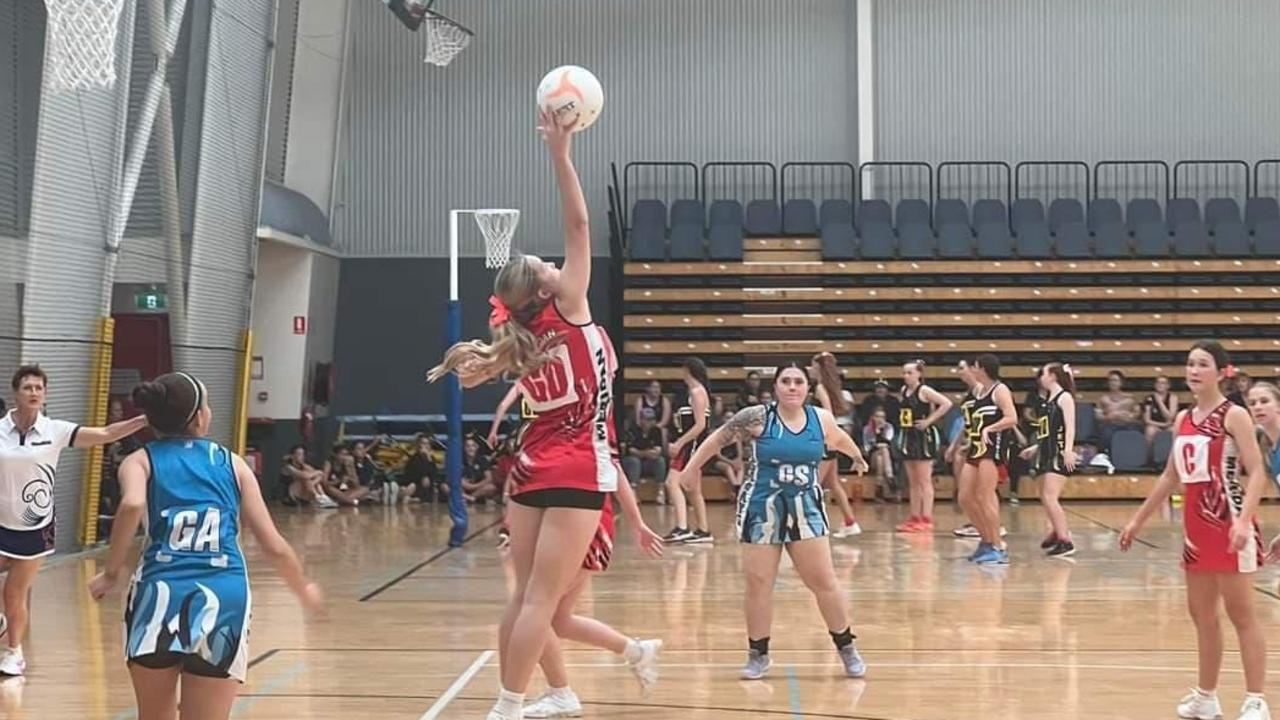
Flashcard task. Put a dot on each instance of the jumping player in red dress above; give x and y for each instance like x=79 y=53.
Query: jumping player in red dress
x=542 y=332
x=1222 y=548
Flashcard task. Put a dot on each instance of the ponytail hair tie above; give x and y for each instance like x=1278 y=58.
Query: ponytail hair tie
x=501 y=314
x=1066 y=367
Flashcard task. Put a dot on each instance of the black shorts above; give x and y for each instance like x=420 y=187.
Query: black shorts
x=190 y=664
x=27 y=544
x=562 y=498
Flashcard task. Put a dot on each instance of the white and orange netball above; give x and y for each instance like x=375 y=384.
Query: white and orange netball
x=572 y=95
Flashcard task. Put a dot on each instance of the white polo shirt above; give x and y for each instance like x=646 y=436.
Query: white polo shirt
x=28 y=464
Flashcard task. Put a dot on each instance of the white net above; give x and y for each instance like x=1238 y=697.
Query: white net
x=498 y=226
x=82 y=43
x=445 y=39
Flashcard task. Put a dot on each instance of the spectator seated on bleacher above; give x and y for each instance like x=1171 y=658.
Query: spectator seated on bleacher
x=302 y=482
x=749 y=393
x=421 y=478
x=877 y=445
x=1159 y=408
x=656 y=402
x=645 y=455
x=880 y=398
x=1117 y=410
x=477 y=473
x=341 y=481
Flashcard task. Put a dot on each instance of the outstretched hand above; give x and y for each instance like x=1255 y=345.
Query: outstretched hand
x=559 y=137
x=649 y=541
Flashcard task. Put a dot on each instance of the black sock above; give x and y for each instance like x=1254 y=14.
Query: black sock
x=842 y=639
x=761 y=646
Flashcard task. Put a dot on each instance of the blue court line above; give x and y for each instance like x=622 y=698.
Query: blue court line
x=275 y=683
x=793 y=692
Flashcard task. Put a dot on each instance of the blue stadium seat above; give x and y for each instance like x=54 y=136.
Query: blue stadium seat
x=989 y=211
x=912 y=212
x=688 y=212
x=955 y=240
x=1231 y=240
x=1086 y=422
x=1266 y=239
x=1181 y=210
x=839 y=242
x=799 y=217
x=1150 y=239
x=1140 y=211
x=835 y=211
x=648 y=236
x=1259 y=209
x=916 y=242
x=1129 y=451
x=1063 y=211
x=763 y=218
x=1026 y=211
x=872 y=211
x=877 y=241
x=1103 y=212
x=687 y=242
x=725 y=242
x=1220 y=210
x=994 y=240
x=726 y=212
x=950 y=210
x=1034 y=242
x=1073 y=240
x=1190 y=239
x=1161 y=446
x=1112 y=241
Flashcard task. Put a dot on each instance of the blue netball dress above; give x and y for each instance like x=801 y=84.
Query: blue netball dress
x=189 y=600
x=781 y=498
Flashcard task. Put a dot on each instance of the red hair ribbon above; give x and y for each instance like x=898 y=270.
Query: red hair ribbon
x=501 y=314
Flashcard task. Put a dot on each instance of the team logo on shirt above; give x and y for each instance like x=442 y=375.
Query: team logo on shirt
x=38 y=494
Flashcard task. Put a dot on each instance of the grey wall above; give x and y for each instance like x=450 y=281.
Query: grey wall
x=1076 y=79
x=706 y=80
x=391 y=329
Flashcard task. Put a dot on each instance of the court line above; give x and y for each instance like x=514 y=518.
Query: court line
x=1099 y=523
x=793 y=693
x=387 y=585
x=264 y=657
x=863 y=648
x=276 y=682
x=873 y=665
x=458 y=685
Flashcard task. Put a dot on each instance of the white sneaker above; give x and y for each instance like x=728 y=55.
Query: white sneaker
x=848 y=531
x=1255 y=708
x=555 y=704
x=646 y=668
x=1199 y=706
x=324 y=501
x=495 y=715
x=12 y=663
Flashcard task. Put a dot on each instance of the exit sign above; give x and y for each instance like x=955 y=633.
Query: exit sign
x=150 y=300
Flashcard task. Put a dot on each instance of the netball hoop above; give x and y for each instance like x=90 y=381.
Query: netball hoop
x=82 y=43
x=498 y=227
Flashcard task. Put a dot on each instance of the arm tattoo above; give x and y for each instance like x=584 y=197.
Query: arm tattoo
x=744 y=424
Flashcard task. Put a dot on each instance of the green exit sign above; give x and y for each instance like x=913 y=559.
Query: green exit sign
x=150 y=300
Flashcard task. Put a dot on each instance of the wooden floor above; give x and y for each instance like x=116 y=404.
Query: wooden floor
x=1105 y=635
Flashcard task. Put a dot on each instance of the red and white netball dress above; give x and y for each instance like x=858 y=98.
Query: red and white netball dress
x=571 y=444
x=601 y=550
x=1209 y=468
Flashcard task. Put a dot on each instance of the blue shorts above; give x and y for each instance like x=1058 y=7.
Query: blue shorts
x=776 y=517
x=195 y=620
x=27 y=544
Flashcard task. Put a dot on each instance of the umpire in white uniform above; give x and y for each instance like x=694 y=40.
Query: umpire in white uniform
x=30 y=443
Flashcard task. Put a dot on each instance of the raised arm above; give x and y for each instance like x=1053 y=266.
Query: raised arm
x=133 y=503
x=93 y=436
x=575 y=275
x=840 y=441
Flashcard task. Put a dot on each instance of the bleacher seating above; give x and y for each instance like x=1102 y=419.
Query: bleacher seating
x=800 y=217
x=763 y=218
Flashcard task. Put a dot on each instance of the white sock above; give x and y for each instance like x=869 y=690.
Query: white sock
x=1260 y=696
x=16 y=651
x=633 y=653
x=562 y=692
x=1205 y=693
x=510 y=703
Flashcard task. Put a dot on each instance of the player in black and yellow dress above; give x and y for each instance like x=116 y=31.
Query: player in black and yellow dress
x=1055 y=453
x=919 y=442
x=990 y=418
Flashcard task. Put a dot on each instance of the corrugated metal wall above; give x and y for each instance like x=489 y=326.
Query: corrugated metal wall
x=706 y=80
x=225 y=217
x=1076 y=79
x=79 y=152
